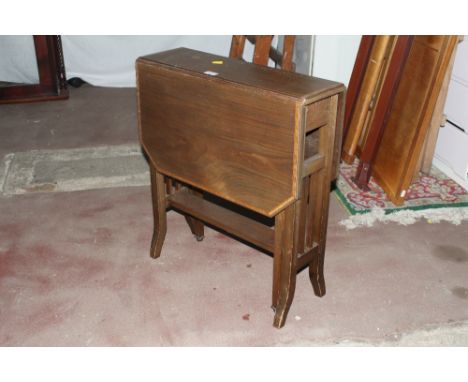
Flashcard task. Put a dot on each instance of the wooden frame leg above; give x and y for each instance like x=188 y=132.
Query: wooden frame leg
x=196 y=226
x=318 y=209
x=316 y=273
x=319 y=198
x=284 y=268
x=158 y=192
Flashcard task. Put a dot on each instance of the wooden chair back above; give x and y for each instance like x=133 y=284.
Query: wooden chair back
x=263 y=50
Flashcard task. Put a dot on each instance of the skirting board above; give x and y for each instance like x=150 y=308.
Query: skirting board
x=447 y=170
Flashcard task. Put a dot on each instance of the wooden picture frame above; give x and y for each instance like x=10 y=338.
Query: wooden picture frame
x=357 y=77
x=383 y=107
x=52 y=79
x=362 y=109
x=409 y=121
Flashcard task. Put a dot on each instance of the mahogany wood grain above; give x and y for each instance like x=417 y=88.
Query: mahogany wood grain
x=371 y=114
x=367 y=91
x=195 y=63
x=236 y=157
x=239 y=156
x=409 y=120
x=357 y=76
x=382 y=109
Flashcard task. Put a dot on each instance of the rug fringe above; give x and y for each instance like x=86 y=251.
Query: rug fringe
x=406 y=217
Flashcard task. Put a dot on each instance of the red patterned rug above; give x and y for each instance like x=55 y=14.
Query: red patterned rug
x=428 y=192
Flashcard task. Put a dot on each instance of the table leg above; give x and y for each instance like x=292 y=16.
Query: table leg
x=196 y=226
x=284 y=264
x=318 y=210
x=319 y=197
x=158 y=192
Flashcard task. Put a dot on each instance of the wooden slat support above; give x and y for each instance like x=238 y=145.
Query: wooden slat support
x=229 y=221
x=276 y=56
x=262 y=50
x=237 y=46
x=302 y=215
x=288 y=52
x=313 y=164
x=307 y=257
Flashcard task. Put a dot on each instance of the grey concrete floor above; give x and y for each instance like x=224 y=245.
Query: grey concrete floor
x=74 y=266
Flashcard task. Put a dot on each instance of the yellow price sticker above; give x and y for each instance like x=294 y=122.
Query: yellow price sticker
x=217 y=62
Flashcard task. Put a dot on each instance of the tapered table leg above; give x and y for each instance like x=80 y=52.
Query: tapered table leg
x=318 y=210
x=196 y=226
x=319 y=197
x=158 y=192
x=284 y=264
x=316 y=274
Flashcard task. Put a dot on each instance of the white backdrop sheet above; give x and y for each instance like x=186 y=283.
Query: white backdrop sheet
x=101 y=60
x=18 y=60
x=110 y=60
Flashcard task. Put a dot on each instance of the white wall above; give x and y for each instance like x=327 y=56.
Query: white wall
x=334 y=57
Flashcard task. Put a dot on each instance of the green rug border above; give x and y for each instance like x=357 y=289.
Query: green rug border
x=352 y=211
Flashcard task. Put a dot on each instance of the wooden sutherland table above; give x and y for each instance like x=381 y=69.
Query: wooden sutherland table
x=258 y=138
